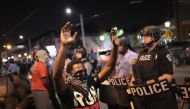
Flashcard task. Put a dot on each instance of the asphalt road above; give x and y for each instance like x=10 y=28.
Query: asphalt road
x=181 y=72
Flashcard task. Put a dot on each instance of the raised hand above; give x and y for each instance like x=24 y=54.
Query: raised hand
x=113 y=37
x=66 y=37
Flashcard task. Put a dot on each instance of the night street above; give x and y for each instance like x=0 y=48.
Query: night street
x=94 y=54
x=181 y=72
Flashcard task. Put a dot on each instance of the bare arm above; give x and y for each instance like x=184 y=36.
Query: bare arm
x=108 y=68
x=59 y=63
x=58 y=69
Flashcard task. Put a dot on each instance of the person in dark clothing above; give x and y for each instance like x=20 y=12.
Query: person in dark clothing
x=77 y=90
x=154 y=64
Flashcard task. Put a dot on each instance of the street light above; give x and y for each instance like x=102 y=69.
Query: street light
x=25 y=54
x=21 y=37
x=19 y=55
x=9 y=47
x=69 y=11
x=167 y=24
x=12 y=57
x=102 y=38
x=29 y=42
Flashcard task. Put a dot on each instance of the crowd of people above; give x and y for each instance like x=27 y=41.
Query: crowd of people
x=72 y=81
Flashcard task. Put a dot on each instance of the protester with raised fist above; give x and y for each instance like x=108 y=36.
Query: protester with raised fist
x=77 y=90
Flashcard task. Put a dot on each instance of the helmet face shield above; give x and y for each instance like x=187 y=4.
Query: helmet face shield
x=145 y=38
x=140 y=38
x=149 y=31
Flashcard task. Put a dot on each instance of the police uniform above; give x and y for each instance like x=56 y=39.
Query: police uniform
x=150 y=65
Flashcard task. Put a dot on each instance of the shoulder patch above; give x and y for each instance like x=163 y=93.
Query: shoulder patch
x=169 y=57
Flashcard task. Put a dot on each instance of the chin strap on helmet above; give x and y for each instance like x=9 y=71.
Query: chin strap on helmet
x=155 y=44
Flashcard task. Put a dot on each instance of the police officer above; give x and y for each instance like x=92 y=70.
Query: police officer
x=154 y=64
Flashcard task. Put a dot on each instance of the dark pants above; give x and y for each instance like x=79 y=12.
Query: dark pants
x=42 y=100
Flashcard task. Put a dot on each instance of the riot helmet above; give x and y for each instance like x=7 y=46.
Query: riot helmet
x=152 y=31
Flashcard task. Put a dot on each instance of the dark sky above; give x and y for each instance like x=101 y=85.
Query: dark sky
x=31 y=18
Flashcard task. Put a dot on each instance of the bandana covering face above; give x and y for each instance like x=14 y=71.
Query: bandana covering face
x=80 y=75
x=78 y=81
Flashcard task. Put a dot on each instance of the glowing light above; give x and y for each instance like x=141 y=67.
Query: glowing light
x=167 y=24
x=115 y=28
x=12 y=57
x=19 y=55
x=102 y=38
x=120 y=32
x=9 y=47
x=68 y=11
x=4 y=60
x=20 y=46
x=30 y=77
x=29 y=56
x=52 y=50
x=21 y=37
x=25 y=54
